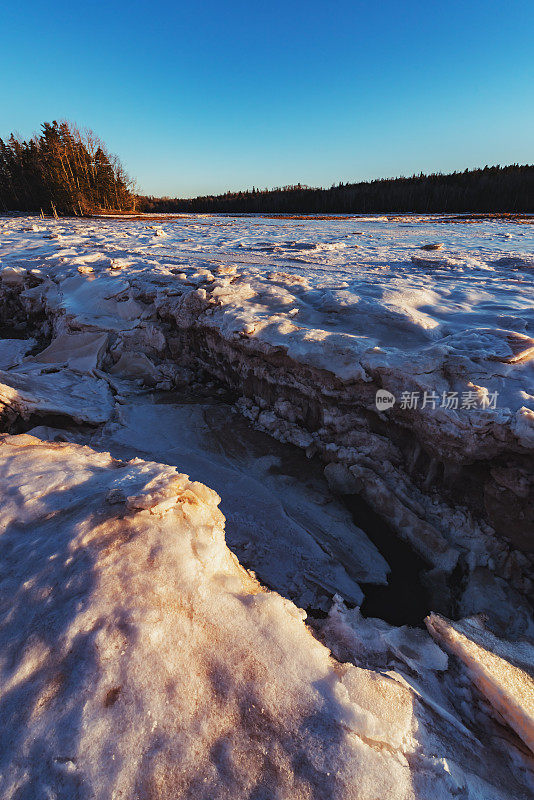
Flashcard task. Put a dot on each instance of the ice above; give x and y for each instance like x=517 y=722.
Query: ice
x=12 y=351
x=136 y=366
x=30 y=390
x=502 y=670
x=140 y=658
x=139 y=655
x=421 y=534
x=81 y=352
x=307 y=319
x=523 y=426
x=280 y=515
x=453 y=720
x=355 y=638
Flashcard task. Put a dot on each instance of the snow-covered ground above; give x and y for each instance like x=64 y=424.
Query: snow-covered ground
x=138 y=658
x=335 y=293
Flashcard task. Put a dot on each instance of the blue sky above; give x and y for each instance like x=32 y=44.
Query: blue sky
x=208 y=96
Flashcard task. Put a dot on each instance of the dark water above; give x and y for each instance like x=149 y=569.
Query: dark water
x=11 y=332
x=405 y=600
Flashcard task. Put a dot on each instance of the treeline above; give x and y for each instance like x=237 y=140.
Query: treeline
x=62 y=170
x=492 y=189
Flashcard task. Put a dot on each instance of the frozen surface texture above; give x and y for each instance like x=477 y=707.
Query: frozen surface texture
x=503 y=671
x=304 y=321
x=138 y=658
x=35 y=391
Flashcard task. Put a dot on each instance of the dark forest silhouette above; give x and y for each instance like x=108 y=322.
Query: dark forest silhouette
x=64 y=170
x=69 y=171
x=492 y=189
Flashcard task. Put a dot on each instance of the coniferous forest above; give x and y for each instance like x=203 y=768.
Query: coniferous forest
x=492 y=189
x=69 y=171
x=62 y=170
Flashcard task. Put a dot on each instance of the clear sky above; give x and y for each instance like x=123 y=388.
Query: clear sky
x=201 y=97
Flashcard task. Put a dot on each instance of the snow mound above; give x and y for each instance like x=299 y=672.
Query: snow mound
x=140 y=659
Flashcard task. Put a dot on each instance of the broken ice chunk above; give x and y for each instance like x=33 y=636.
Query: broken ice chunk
x=34 y=390
x=502 y=670
x=81 y=352
x=12 y=351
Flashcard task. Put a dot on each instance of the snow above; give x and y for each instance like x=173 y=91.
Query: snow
x=502 y=670
x=358 y=301
x=138 y=656
x=151 y=662
x=34 y=390
x=348 y=303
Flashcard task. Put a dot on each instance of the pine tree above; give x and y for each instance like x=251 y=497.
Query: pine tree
x=62 y=168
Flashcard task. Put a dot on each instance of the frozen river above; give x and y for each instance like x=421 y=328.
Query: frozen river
x=157 y=648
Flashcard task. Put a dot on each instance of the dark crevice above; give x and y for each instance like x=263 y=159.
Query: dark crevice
x=413 y=589
x=60 y=422
x=13 y=332
x=404 y=600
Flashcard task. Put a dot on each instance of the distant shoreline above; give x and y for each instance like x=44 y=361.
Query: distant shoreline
x=491 y=190
x=467 y=217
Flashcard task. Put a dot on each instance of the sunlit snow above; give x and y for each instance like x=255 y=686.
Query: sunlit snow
x=163 y=639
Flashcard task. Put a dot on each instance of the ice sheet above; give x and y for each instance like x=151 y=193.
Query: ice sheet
x=305 y=319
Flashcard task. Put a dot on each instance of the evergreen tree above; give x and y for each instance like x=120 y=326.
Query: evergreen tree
x=497 y=189
x=62 y=168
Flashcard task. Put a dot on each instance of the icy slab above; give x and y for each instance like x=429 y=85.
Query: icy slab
x=281 y=518
x=358 y=639
x=503 y=670
x=457 y=731
x=81 y=352
x=136 y=366
x=139 y=658
x=99 y=301
x=12 y=351
x=32 y=389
